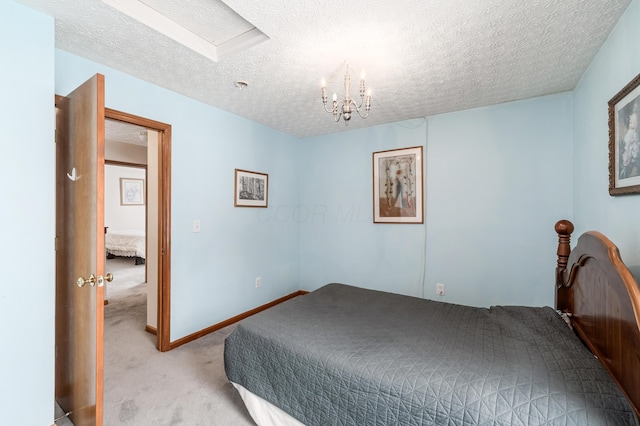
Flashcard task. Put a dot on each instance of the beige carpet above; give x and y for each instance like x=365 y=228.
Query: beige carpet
x=185 y=386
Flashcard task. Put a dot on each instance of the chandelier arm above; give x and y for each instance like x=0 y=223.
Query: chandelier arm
x=337 y=109
x=357 y=107
x=326 y=109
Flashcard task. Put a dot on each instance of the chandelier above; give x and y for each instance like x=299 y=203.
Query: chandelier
x=346 y=106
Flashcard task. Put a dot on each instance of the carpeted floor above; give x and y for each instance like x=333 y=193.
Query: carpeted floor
x=185 y=386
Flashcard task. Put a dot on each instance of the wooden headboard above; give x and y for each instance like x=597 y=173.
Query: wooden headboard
x=602 y=298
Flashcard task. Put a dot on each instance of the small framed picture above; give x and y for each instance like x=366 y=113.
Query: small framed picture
x=398 y=186
x=131 y=192
x=251 y=189
x=624 y=140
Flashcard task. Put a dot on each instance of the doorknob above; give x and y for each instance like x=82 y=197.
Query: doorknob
x=93 y=280
x=108 y=277
x=81 y=282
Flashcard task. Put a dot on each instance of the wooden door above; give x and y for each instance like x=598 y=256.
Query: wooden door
x=80 y=252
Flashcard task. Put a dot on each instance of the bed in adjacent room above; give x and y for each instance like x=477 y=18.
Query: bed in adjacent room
x=352 y=356
x=126 y=243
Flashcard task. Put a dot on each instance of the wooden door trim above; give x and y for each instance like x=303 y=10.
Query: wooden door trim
x=125 y=164
x=100 y=256
x=163 y=325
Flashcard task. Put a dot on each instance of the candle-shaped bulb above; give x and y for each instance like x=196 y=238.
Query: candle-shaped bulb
x=362 y=75
x=323 y=83
x=335 y=97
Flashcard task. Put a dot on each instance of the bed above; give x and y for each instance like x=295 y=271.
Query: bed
x=126 y=243
x=344 y=355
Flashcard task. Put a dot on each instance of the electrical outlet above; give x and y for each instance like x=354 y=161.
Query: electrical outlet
x=440 y=289
x=258 y=282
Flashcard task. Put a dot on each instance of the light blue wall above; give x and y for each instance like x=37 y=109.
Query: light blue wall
x=338 y=240
x=212 y=272
x=27 y=155
x=617 y=63
x=497 y=180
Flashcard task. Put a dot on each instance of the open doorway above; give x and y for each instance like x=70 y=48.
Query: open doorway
x=151 y=152
x=130 y=201
x=125 y=223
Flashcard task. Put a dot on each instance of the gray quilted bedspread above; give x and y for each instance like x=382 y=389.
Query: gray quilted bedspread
x=343 y=355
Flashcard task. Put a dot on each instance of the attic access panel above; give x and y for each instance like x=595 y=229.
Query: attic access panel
x=208 y=27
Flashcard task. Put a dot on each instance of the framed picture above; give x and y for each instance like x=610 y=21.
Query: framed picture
x=398 y=186
x=624 y=140
x=251 y=189
x=131 y=192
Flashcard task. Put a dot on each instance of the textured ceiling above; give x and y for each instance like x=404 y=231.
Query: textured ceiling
x=119 y=131
x=421 y=57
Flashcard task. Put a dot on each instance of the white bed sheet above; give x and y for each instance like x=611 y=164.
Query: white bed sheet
x=127 y=243
x=263 y=412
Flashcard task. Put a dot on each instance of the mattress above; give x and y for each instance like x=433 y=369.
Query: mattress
x=350 y=356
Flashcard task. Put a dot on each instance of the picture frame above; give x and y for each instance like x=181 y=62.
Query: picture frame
x=251 y=189
x=398 y=194
x=131 y=192
x=624 y=140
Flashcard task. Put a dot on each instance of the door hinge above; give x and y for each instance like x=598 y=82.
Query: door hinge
x=55 y=243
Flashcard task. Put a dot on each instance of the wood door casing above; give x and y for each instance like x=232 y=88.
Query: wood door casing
x=79 y=352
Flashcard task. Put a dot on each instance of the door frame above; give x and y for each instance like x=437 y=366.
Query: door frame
x=163 y=331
